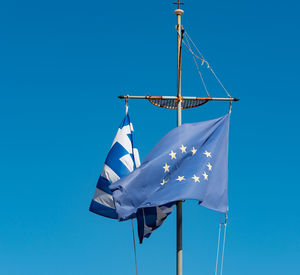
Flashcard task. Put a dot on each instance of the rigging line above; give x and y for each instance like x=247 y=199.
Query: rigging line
x=196 y=56
x=218 y=248
x=187 y=35
x=180 y=56
x=219 y=81
x=224 y=239
x=126 y=106
x=190 y=49
x=199 y=72
x=230 y=106
x=208 y=66
x=134 y=246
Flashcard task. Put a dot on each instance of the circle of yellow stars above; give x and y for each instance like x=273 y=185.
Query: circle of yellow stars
x=196 y=179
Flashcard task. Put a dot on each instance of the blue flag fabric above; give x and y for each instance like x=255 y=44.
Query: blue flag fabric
x=190 y=162
x=121 y=160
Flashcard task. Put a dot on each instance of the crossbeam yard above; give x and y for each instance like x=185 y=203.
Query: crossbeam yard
x=172 y=102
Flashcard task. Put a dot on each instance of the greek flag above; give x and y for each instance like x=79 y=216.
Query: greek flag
x=121 y=160
x=151 y=218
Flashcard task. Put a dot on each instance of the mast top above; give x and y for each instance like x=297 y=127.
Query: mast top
x=178 y=3
x=178 y=11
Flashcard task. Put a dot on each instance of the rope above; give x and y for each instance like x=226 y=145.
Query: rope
x=230 y=106
x=199 y=72
x=223 y=248
x=203 y=61
x=217 y=260
x=219 y=81
x=224 y=239
x=126 y=106
x=134 y=247
x=195 y=45
x=179 y=60
x=133 y=235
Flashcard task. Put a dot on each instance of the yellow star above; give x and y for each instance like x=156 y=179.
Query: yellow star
x=205 y=176
x=163 y=182
x=195 y=178
x=173 y=155
x=194 y=151
x=180 y=178
x=166 y=167
x=183 y=149
x=208 y=154
x=209 y=166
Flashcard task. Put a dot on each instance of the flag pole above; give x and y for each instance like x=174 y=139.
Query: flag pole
x=178 y=13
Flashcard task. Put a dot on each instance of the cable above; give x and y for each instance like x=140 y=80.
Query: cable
x=224 y=239
x=203 y=61
x=218 y=248
x=126 y=106
x=134 y=246
x=199 y=72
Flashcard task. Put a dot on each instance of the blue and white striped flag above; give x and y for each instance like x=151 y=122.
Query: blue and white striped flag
x=121 y=160
x=151 y=218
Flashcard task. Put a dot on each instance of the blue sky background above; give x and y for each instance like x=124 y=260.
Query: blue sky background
x=62 y=66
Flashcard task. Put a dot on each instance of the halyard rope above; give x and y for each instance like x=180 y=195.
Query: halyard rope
x=133 y=235
x=199 y=72
x=134 y=246
x=201 y=57
x=218 y=248
x=126 y=106
x=224 y=239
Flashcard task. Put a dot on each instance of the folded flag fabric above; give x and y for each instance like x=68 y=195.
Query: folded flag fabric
x=121 y=160
x=150 y=218
x=190 y=162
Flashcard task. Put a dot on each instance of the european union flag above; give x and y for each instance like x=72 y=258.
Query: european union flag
x=190 y=162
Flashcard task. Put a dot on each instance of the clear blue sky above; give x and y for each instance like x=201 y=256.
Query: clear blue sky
x=62 y=64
